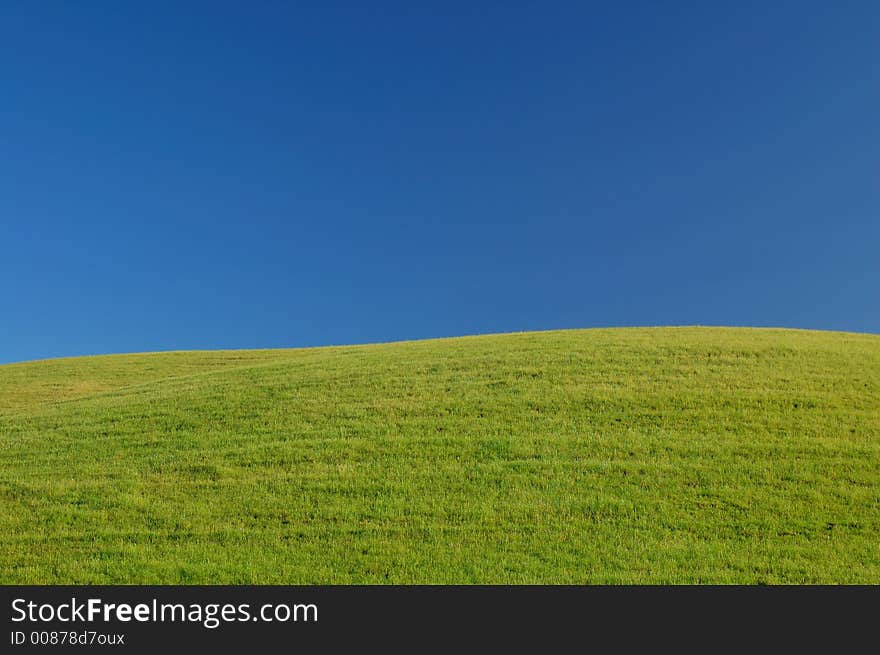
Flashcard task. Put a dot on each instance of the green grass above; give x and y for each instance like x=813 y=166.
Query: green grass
x=587 y=456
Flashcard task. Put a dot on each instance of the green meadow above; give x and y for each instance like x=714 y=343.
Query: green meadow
x=661 y=455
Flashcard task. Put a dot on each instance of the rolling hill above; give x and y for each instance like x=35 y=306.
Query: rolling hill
x=661 y=455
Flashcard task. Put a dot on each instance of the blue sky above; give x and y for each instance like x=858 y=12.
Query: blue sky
x=228 y=175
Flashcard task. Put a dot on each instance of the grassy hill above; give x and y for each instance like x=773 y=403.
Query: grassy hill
x=620 y=455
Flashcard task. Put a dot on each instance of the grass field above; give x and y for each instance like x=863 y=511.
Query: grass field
x=664 y=455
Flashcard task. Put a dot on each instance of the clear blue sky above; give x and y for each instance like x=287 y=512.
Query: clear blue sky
x=178 y=175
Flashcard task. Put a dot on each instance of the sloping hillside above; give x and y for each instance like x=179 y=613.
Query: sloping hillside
x=620 y=455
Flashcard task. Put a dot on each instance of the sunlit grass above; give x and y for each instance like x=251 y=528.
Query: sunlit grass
x=627 y=455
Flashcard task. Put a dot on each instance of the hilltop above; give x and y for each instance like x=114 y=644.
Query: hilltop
x=616 y=455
